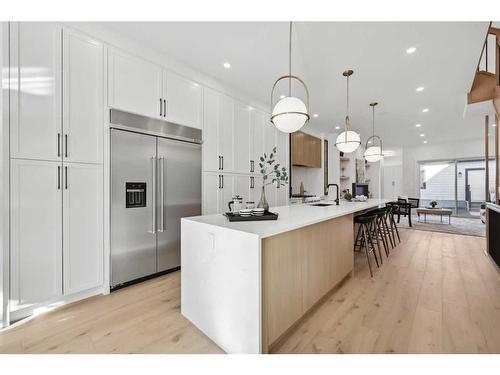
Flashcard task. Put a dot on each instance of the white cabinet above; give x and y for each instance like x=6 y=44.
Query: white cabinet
x=217 y=192
x=218 y=112
x=241 y=138
x=36 y=226
x=255 y=189
x=257 y=120
x=144 y=88
x=183 y=100
x=210 y=134
x=35 y=95
x=82 y=98
x=226 y=133
x=82 y=227
x=135 y=85
x=242 y=186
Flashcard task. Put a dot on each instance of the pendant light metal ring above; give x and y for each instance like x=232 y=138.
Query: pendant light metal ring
x=290 y=77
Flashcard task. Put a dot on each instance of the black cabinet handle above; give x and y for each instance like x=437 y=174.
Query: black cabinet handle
x=219 y=183
x=164 y=107
x=222 y=158
x=58 y=178
x=58 y=144
x=65 y=145
x=66 y=177
x=222 y=181
x=161 y=113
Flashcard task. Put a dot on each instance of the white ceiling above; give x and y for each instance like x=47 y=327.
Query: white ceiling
x=444 y=63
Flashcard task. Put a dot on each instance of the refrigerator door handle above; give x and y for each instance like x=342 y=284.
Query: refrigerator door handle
x=153 y=194
x=162 y=203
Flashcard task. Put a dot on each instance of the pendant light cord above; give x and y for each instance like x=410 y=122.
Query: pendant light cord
x=373 y=120
x=290 y=61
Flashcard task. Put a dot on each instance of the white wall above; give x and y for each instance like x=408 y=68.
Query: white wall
x=412 y=155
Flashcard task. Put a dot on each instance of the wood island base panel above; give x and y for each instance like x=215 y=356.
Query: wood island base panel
x=299 y=268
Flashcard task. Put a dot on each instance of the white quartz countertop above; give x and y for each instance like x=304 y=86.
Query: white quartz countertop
x=290 y=217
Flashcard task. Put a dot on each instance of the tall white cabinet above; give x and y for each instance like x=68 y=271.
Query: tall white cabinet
x=235 y=136
x=56 y=176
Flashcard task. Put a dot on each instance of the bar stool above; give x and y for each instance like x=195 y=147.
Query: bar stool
x=394 y=228
x=385 y=227
x=365 y=226
x=381 y=233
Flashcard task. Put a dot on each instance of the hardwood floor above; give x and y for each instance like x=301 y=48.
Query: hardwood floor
x=437 y=293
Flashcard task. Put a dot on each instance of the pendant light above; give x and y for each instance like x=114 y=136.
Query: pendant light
x=290 y=113
x=374 y=152
x=348 y=141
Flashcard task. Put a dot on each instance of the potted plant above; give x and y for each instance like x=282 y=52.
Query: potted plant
x=433 y=204
x=272 y=174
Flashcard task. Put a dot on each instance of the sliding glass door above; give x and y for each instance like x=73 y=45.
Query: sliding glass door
x=455 y=184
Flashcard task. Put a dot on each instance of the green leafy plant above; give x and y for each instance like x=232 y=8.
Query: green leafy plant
x=271 y=171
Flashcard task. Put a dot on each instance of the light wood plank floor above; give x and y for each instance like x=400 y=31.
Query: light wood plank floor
x=437 y=293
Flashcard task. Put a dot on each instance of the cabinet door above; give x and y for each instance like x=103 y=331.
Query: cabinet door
x=82 y=227
x=242 y=186
x=134 y=85
x=241 y=138
x=270 y=136
x=183 y=100
x=211 y=193
x=35 y=99
x=257 y=137
x=211 y=119
x=283 y=159
x=256 y=190
x=226 y=130
x=227 y=192
x=35 y=229
x=82 y=98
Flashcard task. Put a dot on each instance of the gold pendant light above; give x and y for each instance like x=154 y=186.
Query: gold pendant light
x=374 y=152
x=348 y=141
x=290 y=113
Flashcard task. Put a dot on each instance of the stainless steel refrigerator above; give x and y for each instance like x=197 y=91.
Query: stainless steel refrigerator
x=155 y=181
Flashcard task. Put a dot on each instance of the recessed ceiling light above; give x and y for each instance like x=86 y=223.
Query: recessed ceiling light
x=411 y=50
x=425 y=110
x=425 y=141
x=282 y=96
x=418 y=125
x=493 y=125
x=227 y=65
x=315 y=115
x=419 y=89
x=337 y=127
x=422 y=135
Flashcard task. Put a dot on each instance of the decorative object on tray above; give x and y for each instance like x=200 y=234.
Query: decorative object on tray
x=270 y=170
x=266 y=215
x=360 y=198
x=433 y=204
x=346 y=195
x=236 y=204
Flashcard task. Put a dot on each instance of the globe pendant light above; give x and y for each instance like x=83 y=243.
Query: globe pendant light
x=290 y=113
x=374 y=152
x=348 y=141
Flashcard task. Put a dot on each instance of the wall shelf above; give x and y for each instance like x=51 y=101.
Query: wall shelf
x=344 y=177
x=344 y=158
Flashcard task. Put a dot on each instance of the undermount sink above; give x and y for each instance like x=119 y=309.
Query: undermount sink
x=322 y=204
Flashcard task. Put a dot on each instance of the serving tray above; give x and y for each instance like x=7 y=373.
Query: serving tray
x=267 y=216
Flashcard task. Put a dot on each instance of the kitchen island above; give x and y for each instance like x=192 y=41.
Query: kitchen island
x=247 y=284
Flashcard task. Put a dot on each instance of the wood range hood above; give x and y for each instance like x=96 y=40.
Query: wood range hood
x=305 y=150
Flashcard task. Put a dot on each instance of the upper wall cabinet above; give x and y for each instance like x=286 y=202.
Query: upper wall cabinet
x=35 y=79
x=134 y=85
x=306 y=150
x=82 y=98
x=144 y=88
x=183 y=100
